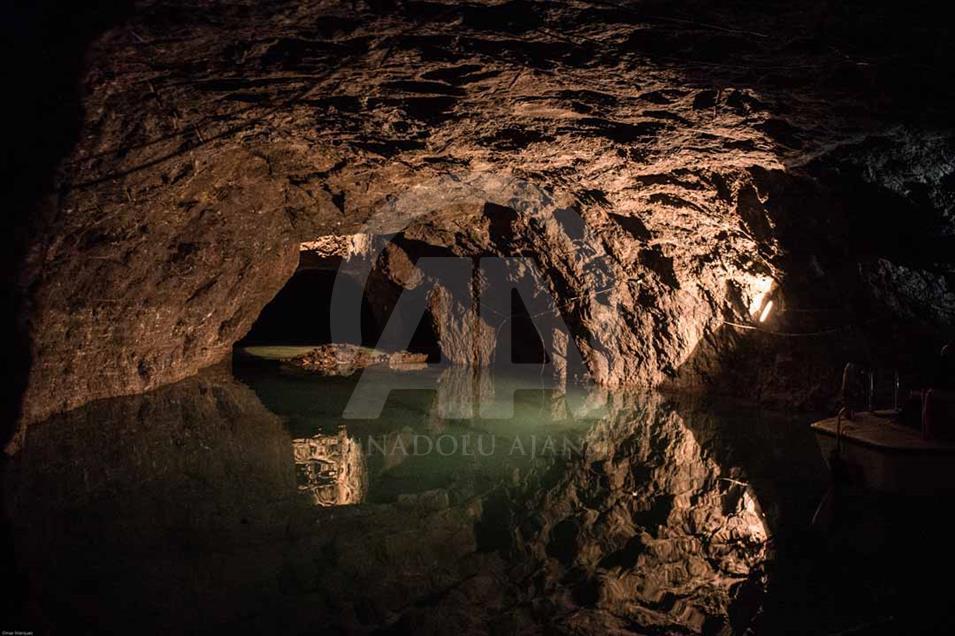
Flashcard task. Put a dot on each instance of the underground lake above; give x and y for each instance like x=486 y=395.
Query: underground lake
x=477 y=317
x=242 y=499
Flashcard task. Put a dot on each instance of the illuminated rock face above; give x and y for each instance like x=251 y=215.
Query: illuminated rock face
x=180 y=209
x=630 y=323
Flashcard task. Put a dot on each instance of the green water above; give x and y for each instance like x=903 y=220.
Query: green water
x=250 y=500
x=432 y=438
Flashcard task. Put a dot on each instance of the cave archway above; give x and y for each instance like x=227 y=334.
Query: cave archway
x=299 y=313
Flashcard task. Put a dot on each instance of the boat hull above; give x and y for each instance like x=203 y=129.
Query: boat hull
x=888 y=459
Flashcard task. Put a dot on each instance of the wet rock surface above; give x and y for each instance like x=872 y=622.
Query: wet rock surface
x=347 y=359
x=331 y=359
x=657 y=161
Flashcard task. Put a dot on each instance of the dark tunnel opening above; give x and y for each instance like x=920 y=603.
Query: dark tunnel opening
x=527 y=347
x=300 y=315
x=425 y=339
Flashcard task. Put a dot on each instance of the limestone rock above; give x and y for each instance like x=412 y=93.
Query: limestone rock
x=658 y=169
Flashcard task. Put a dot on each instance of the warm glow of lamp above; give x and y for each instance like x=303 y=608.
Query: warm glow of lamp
x=766 y=309
x=760 y=287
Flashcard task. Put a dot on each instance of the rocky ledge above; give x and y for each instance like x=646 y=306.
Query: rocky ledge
x=336 y=359
x=347 y=359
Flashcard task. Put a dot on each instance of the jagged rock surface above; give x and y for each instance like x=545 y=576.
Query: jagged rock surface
x=700 y=153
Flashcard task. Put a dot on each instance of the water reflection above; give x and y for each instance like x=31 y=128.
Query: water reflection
x=646 y=528
x=182 y=510
x=330 y=469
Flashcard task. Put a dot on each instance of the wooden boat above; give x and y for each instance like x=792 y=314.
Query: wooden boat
x=881 y=455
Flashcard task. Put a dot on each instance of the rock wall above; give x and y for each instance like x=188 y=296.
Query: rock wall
x=635 y=315
x=702 y=155
x=133 y=295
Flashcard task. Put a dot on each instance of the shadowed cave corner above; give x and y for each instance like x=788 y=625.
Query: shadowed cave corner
x=42 y=51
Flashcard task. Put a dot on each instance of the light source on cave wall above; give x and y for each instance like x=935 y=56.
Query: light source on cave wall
x=763 y=288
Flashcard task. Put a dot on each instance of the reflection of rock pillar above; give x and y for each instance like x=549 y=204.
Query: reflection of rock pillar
x=558 y=353
x=673 y=526
x=558 y=405
x=461 y=391
x=331 y=468
x=559 y=343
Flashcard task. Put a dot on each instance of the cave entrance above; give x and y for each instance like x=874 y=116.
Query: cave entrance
x=527 y=347
x=300 y=313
